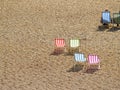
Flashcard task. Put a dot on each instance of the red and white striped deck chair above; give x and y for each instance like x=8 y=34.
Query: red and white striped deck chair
x=59 y=45
x=93 y=60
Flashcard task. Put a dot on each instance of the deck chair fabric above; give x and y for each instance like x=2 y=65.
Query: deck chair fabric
x=74 y=42
x=106 y=18
x=59 y=46
x=74 y=46
x=93 y=60
x=79 y=57
x=59 y=42
x=116 y=18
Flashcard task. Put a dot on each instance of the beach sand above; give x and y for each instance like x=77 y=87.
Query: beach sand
x=27 y=32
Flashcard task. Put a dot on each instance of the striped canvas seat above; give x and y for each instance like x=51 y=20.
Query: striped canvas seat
x=79 y=57
x=93 y=59
x=59 y=42
x=106 y=17
x=74 y=46
x=116 y=18
x=74 y=43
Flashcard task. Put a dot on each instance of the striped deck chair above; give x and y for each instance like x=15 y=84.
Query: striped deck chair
x=74 y=45
x=59 y=45
x=116 y=18
x=79 y=57
x=93 y=60
x=106 y=18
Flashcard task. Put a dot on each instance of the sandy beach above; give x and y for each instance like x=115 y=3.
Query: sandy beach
x=27 y=32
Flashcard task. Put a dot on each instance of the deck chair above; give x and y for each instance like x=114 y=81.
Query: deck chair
x=106 y=18
x=93 y=60
x=74 y=46
x=79 y=57
x=59 y=45
x=116 y=18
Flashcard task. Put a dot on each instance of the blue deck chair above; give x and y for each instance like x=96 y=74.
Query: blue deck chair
x=79 y=57
x=106 y=18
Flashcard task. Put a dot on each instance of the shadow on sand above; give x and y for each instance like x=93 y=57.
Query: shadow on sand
x=113 y=29
x=78 y=68
x=104 y=28
x=57 y=52
x=91 y=71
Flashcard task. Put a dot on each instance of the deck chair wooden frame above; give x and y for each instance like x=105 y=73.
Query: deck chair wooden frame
x=93 y=59
x=74 y=46
x=59 y=45
x=80 y=57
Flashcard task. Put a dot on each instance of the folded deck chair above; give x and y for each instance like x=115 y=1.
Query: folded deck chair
x=79 y=57
x=59 y=45
x=116 y=18
x=93 y=60
x=106 y=18
x=74 y=46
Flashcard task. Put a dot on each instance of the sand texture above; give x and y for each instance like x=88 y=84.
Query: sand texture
x=27 y=32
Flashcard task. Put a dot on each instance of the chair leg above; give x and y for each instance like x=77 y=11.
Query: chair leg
x=74 y=67
x=88 y=66
x=99 y=66
x=69 y=51
x=79 y=49
x=65 y=50
x=85 y=67
x=108 y=26
x=117 y=25
x=113 y=27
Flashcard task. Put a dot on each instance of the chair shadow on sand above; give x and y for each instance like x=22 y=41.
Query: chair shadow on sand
x=102 y=28
x=91 y=71
x=78 y=68
x=70 y=52
x=112 y=29
x=57 y=51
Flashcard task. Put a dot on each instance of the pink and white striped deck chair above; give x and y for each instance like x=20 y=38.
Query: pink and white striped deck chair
x=59 y=45
x=93 y=60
